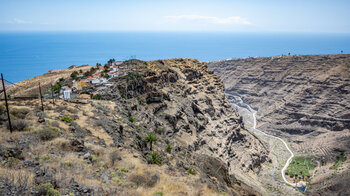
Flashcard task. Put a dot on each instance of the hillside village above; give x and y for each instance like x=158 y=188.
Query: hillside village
x=98 y=76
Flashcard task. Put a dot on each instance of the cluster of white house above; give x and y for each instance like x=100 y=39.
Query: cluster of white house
x=95 y=78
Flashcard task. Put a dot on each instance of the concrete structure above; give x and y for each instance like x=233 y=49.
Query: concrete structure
x=66 y=93
x=99 y=80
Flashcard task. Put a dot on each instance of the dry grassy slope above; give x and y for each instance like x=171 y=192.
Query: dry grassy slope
x=30 y=87
x=305 y=99
x=183 y=98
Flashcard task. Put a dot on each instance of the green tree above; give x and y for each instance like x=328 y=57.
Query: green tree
x=107 y=66
x=57 y=87
x=74 y=75
x=150 y=138
x=110 y=61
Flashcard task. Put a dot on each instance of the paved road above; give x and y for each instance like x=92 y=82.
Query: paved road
x=239 y=103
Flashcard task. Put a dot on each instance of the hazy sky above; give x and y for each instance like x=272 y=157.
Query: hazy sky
x=176 y=15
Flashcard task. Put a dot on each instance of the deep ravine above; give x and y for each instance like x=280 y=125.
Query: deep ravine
x=237 y=102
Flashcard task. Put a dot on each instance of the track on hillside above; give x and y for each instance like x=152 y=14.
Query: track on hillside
x=237 y=101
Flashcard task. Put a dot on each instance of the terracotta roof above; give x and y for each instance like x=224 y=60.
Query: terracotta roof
x=84 y=96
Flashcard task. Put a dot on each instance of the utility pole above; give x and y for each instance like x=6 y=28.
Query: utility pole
x=41 y=97
x=7 y=106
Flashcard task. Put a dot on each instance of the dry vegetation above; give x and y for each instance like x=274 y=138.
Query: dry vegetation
x=106 y=168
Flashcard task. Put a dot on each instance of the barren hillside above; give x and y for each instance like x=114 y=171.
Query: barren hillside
x=304 y=99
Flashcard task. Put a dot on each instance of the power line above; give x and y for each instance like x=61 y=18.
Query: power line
x=11 y=83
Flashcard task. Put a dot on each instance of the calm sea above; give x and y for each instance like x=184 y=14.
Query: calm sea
x=25 y=55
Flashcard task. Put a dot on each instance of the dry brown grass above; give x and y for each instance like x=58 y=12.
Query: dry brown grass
x=17 y=173
x=170 y=183
x=59 y=143
x=97 y=131
x=30 y=87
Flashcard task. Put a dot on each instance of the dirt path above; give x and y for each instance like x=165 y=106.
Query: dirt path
x=238 y=102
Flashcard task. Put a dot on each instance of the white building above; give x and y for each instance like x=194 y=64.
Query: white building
x=99 y=80
x=66 y=93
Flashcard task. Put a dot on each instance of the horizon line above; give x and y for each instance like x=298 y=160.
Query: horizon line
x=169 y=31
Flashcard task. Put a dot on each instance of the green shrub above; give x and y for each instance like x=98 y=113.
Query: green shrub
x=168 y=148
x=11 y=161
x=94 y=159
x=74 y=75
x=2 y=109
x=340 y=159
x=85 y=92
x=191 y=171
x=45 y=157
x=67 y=163
x=19 y=113
x=66 y=119
x=132 y=119
x=150 y=138
x=48 y=133
x=160 y=130
x=158 y=193
x=28 y=129
x=141 y=101
x=47 y=189
x=155 y=159
x=97 y=97
x=118 y=180
x=57 y=87
x=122 y=170
x=133 y=76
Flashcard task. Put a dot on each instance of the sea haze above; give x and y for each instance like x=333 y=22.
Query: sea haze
x=27 y=54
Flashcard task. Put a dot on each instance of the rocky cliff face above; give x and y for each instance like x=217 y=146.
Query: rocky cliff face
x=185 y=99
x=178 y=104
x=305 y=99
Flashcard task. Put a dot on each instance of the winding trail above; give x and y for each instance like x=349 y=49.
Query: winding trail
x=238 y=102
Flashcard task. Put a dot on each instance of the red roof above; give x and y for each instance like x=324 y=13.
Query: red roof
x=84 y=96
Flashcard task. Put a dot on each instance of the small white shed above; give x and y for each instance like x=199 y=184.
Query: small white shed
x=66 y=93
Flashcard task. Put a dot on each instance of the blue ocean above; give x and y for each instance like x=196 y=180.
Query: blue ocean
x=27 y=54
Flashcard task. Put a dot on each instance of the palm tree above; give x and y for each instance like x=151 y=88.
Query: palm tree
x=150 y=138
x=111 y=61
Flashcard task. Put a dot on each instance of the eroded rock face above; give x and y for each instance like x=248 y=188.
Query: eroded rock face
x=304 y=99
x=187 y=101
x=198 y=112
x=183 y=103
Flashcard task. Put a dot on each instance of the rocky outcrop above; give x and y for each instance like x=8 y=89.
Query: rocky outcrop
x=186 y=100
